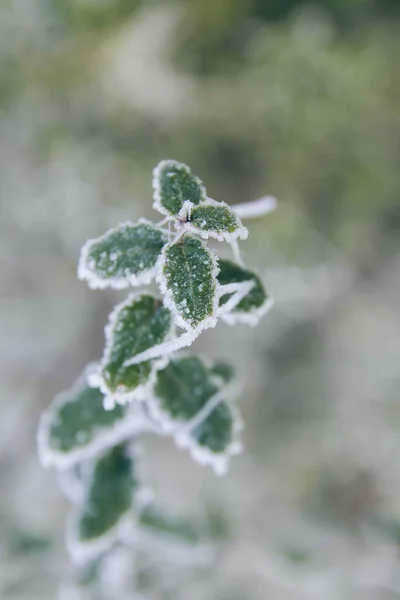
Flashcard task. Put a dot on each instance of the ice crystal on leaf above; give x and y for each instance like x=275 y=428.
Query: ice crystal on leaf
x=142 y=383
x=216 y=220
x=173 y=184
x=123 y=256
x=188 y=280
x=134 y=326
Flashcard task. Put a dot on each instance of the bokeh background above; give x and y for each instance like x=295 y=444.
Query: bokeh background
x=297 y=99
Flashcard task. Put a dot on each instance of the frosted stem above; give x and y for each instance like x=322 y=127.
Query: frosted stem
x=184 y=340
x=256 y=208
x=236 y=252
x=239 y=291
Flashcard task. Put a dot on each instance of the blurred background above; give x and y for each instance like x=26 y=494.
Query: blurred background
x=287 y=97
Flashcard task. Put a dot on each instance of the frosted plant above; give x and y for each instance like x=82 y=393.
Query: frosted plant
x=144 y=382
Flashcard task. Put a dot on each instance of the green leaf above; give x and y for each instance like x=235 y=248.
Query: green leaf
x=76 y=426
x=107 y=506
x=174 y=184
x=136 y=325
x=254 y=305
x=123 y=256
x=188 y=282
x=185 y=389
x=157 y=522
x=216 y=219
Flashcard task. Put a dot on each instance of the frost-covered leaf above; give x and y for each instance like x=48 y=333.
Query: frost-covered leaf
x=190 y=403
x=123 y=256
x=107 y=507
x=255 y=303
x=76 y=426
x=217 y=220
x=136 y=325
x=188 y=282
x=173 y=184
x=157 y=522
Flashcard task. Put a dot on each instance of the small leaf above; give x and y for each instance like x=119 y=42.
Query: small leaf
x=123 y=256
x=76 y=426
x=157 y=522
x=184 y=390
x=107 y=505
x=188 y=282
x=137 y=324
x=217 y=220
x=173 y=184
x=254 y=305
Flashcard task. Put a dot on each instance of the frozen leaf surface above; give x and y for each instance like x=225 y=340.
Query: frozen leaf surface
x=123 y=256
x=136 y=325
x=183 y=391
x=188 y=279
x=107 y=505
x=217 y=220
x=174 y=184
x=76 y=426
x=223 y=370
x=254 y=304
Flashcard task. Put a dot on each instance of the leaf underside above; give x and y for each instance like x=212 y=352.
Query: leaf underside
x=80 y=418
x=109 y=496
x=215 y=220
x=123 y=253
x=189 y=274
x=183 y=388
x=174 y=184
x=138 y=324
x=231 y=272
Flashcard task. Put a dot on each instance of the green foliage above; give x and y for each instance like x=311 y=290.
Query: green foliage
x=188 y=277
x=217 y=220
x=231 y=272
x=76 y=424
x=187 y=397
x=173 y=185
x=184 y=387
x=109 y=495
x=125 y=255
x=134 y=326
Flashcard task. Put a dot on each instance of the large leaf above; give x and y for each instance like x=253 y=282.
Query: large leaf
x=217 y=220
x=107 y=506
x=123 y=256
x=256 y=302
x=173 y=185
x=76 y=426
x=184 y=391
x=188 y=282
x=136 y=325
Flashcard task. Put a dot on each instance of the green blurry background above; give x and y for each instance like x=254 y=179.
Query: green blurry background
x=297 y=99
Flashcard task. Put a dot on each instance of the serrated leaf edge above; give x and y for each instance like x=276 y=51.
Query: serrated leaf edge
x=141 y=392
x=157 y=188
x=169 y=302
x=117 y=283
x=240 y=232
